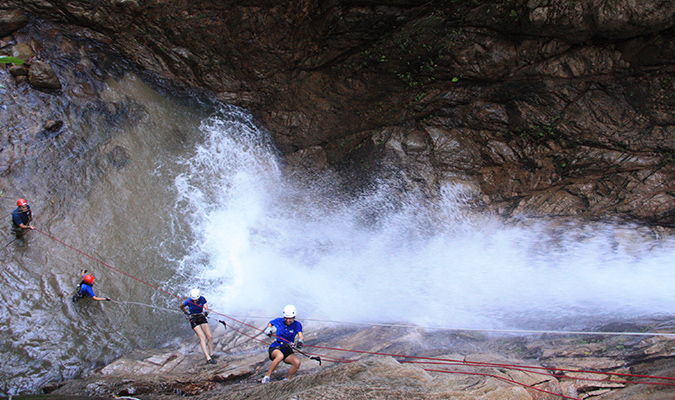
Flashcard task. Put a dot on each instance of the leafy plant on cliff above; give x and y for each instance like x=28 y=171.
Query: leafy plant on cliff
x=10 y=60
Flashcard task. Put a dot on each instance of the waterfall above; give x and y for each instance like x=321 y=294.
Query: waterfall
x=262 y=241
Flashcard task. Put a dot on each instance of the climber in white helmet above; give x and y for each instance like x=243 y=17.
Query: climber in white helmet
x=198 y=311
x=284 y=329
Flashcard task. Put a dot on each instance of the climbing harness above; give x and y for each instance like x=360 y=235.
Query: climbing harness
x=197 y=318
x=78 y=293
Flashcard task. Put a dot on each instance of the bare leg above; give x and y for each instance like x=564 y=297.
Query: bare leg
x=209 y=337
x=295 y=365
x=202 y=340
x=278 y=357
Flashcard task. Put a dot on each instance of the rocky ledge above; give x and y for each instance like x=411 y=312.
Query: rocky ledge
x=394 y=362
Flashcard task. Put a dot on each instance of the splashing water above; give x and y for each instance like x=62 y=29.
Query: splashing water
x=264 y=242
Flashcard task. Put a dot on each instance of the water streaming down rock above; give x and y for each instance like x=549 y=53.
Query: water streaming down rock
x=103 y=185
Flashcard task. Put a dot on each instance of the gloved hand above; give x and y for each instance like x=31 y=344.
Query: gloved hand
x=107 y=299
x=268 y=331
x=300 y=344
x=206 y=313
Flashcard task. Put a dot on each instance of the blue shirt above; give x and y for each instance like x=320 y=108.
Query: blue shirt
x=285 y=333
x=195 y=306
x=86 y=290
x=19 y=217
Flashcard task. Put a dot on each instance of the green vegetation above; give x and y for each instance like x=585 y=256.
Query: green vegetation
x=420 y=96
x=11 y=60
x=546 y=130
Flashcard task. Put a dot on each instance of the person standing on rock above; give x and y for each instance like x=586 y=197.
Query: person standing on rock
x=198 y=311
x=85 y=288
x=280 y=350
x=21 y=218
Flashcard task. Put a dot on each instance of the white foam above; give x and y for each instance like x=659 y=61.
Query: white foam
x=263 y=243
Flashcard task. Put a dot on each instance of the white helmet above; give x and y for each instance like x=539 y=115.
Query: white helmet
x=194 y=294
x=290 y=311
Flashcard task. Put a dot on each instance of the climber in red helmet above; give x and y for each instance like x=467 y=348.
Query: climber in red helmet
x=85 y=289
x=21 y=218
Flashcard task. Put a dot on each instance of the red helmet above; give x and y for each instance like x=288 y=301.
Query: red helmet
x=21 y=202
x=88 y=279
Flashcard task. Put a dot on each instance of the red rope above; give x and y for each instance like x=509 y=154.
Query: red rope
x=558 y=376
x=108 y=265
x=504 y=379
x=499 y=365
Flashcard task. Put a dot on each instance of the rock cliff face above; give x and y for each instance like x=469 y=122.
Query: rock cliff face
x=537 y=107
x=534 y=107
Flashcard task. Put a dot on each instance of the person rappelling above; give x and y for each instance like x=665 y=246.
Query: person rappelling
x=21 y=218
x=284 y=329
x=86 y=289
x=198 y=311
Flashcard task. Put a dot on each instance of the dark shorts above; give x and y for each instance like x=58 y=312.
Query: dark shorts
x=197 y=319
x=19 y=232
x=78 y=294
x=284 y=349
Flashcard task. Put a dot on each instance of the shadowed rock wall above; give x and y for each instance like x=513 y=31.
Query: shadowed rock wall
x=538 y=107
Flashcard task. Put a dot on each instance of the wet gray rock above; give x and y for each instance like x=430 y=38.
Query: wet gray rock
x=118 y=157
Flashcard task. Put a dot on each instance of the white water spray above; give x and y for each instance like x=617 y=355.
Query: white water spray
x=263 y=243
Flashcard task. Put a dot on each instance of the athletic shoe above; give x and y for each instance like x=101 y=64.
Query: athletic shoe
x=214 y=356
x=211 y=361
x=265 y=379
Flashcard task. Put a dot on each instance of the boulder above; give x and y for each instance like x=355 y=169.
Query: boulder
x=18 y=70
x=42 y=76
x=11 y=21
